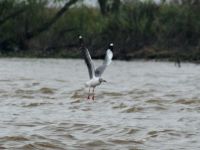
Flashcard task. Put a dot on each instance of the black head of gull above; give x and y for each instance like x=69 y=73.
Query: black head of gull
x=111 y=46
x=81 y=40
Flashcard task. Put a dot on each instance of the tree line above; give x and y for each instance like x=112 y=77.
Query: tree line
x=139 y=29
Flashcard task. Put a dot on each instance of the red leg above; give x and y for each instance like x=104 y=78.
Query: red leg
x=88 y=94
x=93 y=94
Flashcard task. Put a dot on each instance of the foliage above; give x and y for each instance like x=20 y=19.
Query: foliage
x=138 y=29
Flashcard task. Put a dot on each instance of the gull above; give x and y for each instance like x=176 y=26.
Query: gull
x=95 y=73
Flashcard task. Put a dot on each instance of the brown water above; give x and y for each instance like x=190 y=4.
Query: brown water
x=145 y=105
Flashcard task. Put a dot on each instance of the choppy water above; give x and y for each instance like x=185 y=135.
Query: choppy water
x=145 y=105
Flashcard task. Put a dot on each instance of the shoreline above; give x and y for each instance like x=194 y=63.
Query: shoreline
x=79 y=58
x=147 y=54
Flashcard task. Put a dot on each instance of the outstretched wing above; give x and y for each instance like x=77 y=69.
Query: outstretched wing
x=108 y=59
x=88 y=61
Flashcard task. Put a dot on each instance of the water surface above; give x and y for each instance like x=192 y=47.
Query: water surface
x=144 y=105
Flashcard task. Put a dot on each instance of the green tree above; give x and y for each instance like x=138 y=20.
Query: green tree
x=32 y=22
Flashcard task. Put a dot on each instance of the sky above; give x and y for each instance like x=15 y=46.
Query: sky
x=94 y=2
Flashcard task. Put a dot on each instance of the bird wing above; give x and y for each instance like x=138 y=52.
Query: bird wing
x=88 y=61
x=108 y=59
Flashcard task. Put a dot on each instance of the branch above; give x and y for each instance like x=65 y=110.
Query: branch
x=12 y=15
x=49 y=23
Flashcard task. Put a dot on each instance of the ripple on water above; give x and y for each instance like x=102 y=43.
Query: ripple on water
x=27 y=147
x=158 y=108
x=40 y=146
x=83 y=93
x=27 y=96
x=35 y=104
x=155 y=101
x=126 y=141
x=5 y=80
x=132 y=131
x=166 y=133
x=69 y=136
x=120 y=106
x=188 y=101
x=78 y=94
x=13 y=138
x=22 y=92
x=133 y=109
x=47 y=145
x=98 y=130
x=35 y=83
x=140 y=91
x=43 y=90
x=95 y=144
x=76 y=101
x=1 y=147
x=46 y=90
x=113 y=94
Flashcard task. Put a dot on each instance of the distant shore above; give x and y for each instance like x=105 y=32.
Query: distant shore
x=138 y=29
x=145 y=54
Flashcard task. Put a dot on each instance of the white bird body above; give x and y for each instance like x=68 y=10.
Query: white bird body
x=93 y=82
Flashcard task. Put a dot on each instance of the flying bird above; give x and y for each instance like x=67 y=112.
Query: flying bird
x=95 y=73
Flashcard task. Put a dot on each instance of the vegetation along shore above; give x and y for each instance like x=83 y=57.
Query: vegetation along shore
x=139 y=29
